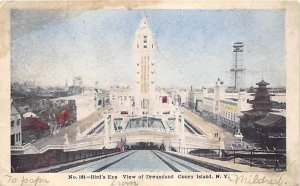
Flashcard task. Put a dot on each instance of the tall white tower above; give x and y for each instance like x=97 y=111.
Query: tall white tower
x=143 y=49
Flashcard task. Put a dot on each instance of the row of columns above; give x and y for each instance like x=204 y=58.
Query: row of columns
x=109 y=129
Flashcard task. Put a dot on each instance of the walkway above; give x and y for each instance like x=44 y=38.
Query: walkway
x=208 y=128
x=228 y=164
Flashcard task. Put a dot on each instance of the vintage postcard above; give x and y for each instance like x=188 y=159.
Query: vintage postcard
x=149 y=93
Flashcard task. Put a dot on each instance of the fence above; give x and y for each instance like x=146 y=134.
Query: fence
x=26 y=162
x=269 y=159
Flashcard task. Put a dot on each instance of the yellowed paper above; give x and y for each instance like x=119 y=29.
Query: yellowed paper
x=98 y=59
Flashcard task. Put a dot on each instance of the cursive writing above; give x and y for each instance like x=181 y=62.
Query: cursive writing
x=35 y=181
x=255 y=179
x=124 y=183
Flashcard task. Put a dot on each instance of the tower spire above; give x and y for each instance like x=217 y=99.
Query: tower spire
x=145 y=64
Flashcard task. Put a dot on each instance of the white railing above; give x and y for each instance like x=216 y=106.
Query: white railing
x=91 y=136
x=99 y=130
x=48 y=147
x=195 y=136
x=201 y=144
x=83 y=145
x=24 y=148
x=16 y=148
x=95 y=124
x=79 y=146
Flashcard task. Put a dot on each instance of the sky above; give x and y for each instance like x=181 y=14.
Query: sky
x=192 y=47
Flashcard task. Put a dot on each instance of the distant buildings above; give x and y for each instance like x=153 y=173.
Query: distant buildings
x=101 y=97
x=40 y=118
x=215 y=104
x=226 y=108
x=122 y=98
x=179 y=96
x=64 y=110
x=195 y=97
x=15 y=124
x=77 y=87
x=34 y=128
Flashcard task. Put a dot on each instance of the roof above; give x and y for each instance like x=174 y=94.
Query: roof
x=253 y=112
x=262 y=83
x=34 y=124
x=29 y=114
x=270 y=119
x=13 y=103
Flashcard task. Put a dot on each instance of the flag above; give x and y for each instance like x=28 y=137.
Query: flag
x=164 y=99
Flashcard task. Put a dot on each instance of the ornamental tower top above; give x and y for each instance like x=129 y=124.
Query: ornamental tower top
x=143 y=49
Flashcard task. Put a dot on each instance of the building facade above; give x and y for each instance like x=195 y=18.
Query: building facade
x=77 y=87
x=224 y=108
x=16 y=125
x=195 y=96
x=122 y=99
x=144 y=58
x=145 y=97
x=101 y=97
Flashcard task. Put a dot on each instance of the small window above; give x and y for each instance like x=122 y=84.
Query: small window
x=12 y=123
x=18 y=122
x=137 y=46
x=145 y=39
x=145 y=46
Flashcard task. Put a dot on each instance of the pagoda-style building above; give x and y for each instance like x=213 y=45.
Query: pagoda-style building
x=262 y=100
x=262 y=103
x=261 y=124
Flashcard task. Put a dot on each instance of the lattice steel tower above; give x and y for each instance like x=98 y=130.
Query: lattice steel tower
x=237 y=70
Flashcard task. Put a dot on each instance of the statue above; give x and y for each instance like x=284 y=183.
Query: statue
x=66 y=139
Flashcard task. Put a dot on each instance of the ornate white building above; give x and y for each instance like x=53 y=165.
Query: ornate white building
x=144 y=57
x=145 y=97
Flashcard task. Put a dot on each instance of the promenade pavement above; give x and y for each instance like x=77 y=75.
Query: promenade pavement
x=228 y=164
x=209 y=128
